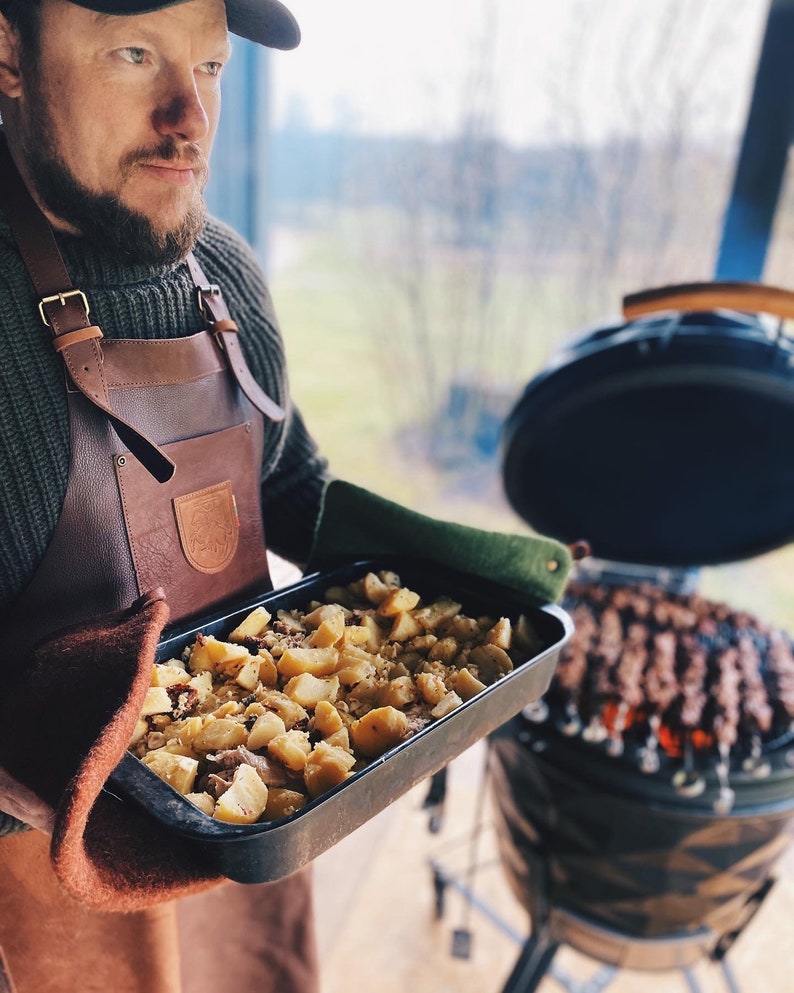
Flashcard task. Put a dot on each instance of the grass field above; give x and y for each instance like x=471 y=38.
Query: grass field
x=351 y=377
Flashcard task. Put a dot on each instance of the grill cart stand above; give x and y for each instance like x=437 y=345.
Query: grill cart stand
x=554 y=927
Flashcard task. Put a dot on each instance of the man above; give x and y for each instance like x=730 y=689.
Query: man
x=109 y=116
x=148 y=447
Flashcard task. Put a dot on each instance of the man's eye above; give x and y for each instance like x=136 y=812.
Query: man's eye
x=211 y=68
x=136 y=56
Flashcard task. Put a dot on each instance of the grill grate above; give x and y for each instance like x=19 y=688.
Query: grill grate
x=672 y=681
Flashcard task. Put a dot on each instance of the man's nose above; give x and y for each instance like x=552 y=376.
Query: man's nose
x=181 y=113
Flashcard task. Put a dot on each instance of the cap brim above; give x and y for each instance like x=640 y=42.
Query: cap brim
x=266 y=22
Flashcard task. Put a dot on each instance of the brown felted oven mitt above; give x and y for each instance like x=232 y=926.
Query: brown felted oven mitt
x=66 y=719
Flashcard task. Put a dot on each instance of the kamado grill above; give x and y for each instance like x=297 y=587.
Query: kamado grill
x=642 y=803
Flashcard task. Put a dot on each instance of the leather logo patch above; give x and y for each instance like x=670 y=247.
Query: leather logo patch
x=208 y=527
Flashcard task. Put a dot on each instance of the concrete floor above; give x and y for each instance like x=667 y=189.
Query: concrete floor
x=378 y=929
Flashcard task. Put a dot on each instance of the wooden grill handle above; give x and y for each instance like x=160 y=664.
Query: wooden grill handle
x=751 y=297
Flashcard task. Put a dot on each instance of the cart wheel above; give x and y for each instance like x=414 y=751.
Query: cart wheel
x=461 y=943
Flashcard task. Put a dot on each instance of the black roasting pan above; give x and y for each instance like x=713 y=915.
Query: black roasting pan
x=270 y=851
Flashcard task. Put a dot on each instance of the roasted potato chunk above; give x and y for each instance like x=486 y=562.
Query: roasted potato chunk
x=204 y=801
x=219 y=734
x=317 y=661
x=291 y=748
x=379 y=730
x=266 y=727
x=466 y=686
x=327 y=720
x=245 y=800
x=397 y=602
x=157 y=701
x=253 y=625
x=326 y=767
x=282 y=803
x=178 y=771
x=492 y=662
x=309 y=690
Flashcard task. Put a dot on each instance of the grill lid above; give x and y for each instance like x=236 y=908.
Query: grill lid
x=667 y=438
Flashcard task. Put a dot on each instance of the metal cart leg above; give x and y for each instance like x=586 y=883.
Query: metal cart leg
x=533 y=963
x=728 y=976
x=443 y=879
x=434 y=801
x=439 y=889
x=691 y=980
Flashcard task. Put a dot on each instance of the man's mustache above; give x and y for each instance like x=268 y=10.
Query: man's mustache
x=187 y=154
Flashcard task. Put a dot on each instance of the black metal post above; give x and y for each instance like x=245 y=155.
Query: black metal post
x=768 y=135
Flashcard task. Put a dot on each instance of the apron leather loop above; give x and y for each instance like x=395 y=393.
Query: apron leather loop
x=72 y=337
x=224 y=329
x=220 y=326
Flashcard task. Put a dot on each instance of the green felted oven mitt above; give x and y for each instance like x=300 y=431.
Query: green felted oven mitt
x=355 y=523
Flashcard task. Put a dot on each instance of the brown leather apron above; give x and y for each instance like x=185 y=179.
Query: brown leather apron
x=163 y=490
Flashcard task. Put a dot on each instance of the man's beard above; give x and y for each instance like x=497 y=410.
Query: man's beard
x=102 y=217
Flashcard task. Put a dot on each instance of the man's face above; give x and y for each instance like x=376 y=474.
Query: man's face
x=115 y=121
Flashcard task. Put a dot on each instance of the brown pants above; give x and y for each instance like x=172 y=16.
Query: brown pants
x=251 y=939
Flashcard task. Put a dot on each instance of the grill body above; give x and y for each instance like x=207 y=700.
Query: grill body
x=624 y=856
x=627 y=441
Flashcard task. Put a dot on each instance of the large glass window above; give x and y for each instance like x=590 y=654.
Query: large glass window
x=458 y=188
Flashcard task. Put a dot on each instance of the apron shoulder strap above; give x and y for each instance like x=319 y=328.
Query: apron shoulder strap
x=65 y=311
x=224 y=330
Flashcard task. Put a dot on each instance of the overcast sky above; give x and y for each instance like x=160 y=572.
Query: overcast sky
x=411 y=65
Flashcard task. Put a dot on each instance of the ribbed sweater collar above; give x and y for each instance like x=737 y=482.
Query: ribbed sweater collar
x=89 y=266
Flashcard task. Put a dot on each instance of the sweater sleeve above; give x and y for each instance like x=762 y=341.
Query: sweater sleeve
x=294 y=472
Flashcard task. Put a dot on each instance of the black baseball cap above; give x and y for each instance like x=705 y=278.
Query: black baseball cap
x=267 y=22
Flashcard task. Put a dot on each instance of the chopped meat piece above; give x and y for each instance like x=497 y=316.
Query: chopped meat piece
x=271 y=773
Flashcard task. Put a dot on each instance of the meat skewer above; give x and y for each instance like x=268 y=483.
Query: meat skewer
x=674 y=674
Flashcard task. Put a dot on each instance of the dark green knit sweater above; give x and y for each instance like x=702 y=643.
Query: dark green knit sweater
x=133 y=302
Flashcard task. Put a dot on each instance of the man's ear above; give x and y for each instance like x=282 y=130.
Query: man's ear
x=10 y=75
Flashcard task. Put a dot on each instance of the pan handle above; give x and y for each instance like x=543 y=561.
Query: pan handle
x=751 y=297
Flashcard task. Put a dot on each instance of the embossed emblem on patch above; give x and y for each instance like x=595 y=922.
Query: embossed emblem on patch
x=208 y=527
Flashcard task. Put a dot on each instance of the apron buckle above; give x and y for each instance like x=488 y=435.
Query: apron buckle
x=205 y=294
x=62 y=298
